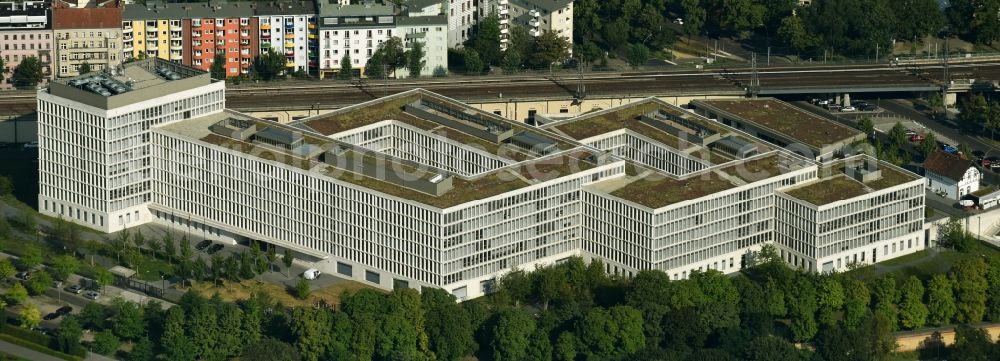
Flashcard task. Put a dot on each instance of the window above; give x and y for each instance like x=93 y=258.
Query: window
x=345 y=269
x=398 y=283
x=372 y=277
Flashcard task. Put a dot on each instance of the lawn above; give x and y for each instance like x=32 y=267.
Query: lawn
x=232 y=292
x=925 y=264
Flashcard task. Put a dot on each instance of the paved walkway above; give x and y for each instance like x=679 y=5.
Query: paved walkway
x=27 y=353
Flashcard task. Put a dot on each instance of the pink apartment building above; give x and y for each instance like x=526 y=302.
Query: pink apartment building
x=24 y=32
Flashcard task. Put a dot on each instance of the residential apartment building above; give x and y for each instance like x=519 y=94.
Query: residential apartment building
x=290 y=29
x=358 y=31
x=538 y=16
x=86 y=33
x=419 y=190
x=24 y=33
x=222 y=28
x=461 y=20
x=155 y=30
x=94 y=138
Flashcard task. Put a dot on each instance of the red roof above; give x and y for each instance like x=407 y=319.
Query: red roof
x=948 y=165
x=86 y=18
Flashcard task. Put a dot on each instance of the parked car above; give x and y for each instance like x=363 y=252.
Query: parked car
x=202 y=245
x=985 y=163
x=215 y=248
x=868 y=108
x=74 y=289
x=31 y=145
x=911 y=132
x=849 y=109
x=24 y=275
x=311 y=274
x=949 y=149
x=51 y=316
x=823 y=101
x=679 y=21
x=917 y=138
x=832 y=107
x=93 y=295
x=64 y=310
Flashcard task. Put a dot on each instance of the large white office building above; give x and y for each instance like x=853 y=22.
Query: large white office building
x=418 y=190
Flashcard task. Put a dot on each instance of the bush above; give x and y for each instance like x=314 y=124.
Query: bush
x=40 y=348
x=440 y=71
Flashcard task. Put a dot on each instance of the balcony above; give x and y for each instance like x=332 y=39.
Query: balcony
x=504 y=2
x=312 y=26
x=289 y=36
x=503 y=12
x=176 y=35
x=535 y=32
x=289 y=44
x=176 y=55
x=265 y=45
x=196 y=34
x=534 y=23
x=244 y=35
x=289 y=53
x=290 y=64
x=152 y=36
x=265 y=26
x=127 y=37
x=176 y=28
x=312 y=36
x=504 y=30
x=177 y=47
x=266 y=35
x=504 y=21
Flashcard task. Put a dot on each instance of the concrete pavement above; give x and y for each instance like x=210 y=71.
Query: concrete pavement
x=26 y=353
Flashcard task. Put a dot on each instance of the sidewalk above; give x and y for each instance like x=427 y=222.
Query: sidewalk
x=27 y=353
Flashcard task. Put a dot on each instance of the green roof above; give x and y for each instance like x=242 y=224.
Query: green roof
x=829 y=190
x=784 y=119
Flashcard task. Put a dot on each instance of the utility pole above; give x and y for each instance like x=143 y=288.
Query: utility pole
x=876 y=52
x=385 y=80
x=581 y=88
x=754 y=78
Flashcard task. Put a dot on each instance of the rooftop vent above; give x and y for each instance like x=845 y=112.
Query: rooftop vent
x=167 y=73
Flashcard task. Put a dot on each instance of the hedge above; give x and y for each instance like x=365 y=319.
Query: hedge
x=37 y=342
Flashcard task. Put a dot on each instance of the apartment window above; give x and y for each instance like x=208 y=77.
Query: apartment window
x=398 y=283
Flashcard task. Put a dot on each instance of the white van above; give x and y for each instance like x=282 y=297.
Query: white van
x=311 y=274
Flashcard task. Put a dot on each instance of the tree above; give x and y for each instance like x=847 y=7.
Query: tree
x=68 y=335
x=142 y=351
x=39 y=282
x=176 y=345
x=3 y=72
x=287 y=260
x=30 y=317
x=793 y=33
x=28 y=72
x=311 y=329
x=64 y=266
x=565 y=347
x=302 y=289
x=487 y=41
x=694 y=17
x=969 y=279
x=770 y=348
x=31 y=256
x=186 y=251
x=17 y=293
x=973 y=344
x=29 y=224
x=128 y=321
x=269 y=349
x=105 y=343
x=922 y=18
x=831 y=298
x=7 y=269
x=169 y=248
x=897 y=135
x=84 y=68
x=218 y=68
x=155 y=246
x=440 y=71
x=885 y=297
x=93 y=316
x=6 y=185
x=739 y=16
x=616 y=33
x=473 y=64
x=448 y=325
x=912 y=311
x=393 y=55
x=346 y=67
x=548 y=49
x=103 y=278
x=375 y=67
x=935 y=102
x=993 y=293
x=638 y=55
x=511 y=335
x=415 y=59
x=511 y=61
x=928 y=145
x=268 y=66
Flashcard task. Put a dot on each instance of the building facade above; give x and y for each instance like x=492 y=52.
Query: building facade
x=108 y=118
x=229 y=29
x=24 y=33
x=154 y=31
x=418 y=190
x=462 y=21
x=289 y=28
x=90 y=35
